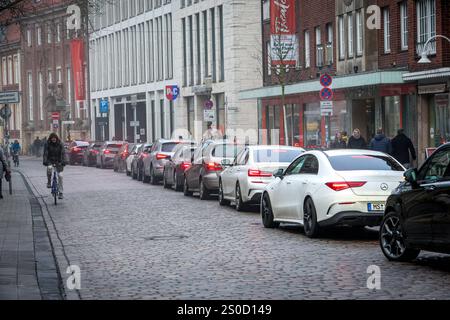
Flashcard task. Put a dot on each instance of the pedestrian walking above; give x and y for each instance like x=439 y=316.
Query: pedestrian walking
x=381 y=143
x=403 y=148
x=339 y=141
x=356 y=141
x=37 y=144
x=4 y=169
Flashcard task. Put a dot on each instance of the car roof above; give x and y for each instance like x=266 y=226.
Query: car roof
x=274 y=147
x=343 y=152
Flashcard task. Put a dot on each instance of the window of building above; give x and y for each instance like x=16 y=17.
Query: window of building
x=350 y=35
x=29 y=40
x=213 y=44
x=404 y=25
x=221 y=44
x=387 y=30
x=198 y=51
x=49 y=33
x=16 y=69
x=30 y=97
x=341 y=38
x=391 y=115
x=41 y=96
x=69 y=86
x=191 y=51
x=329 y=47
x=307 y=50
x=59 y=75
x=205 y=42
x=319 y=47
x=58 y=32
x=10 y=70
x=50 y=77
x=39 y=36
x=4 y=71
x=426 y=25
x=269 y=59
x=183 y=28
x=359 y=33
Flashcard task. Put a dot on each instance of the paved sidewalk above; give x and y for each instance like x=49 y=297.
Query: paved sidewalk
x=27 y=267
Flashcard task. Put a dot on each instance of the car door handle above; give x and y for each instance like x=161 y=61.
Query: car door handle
x=430 y=188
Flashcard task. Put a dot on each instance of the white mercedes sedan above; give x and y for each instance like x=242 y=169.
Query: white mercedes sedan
x=328 y=188
x=244 y=180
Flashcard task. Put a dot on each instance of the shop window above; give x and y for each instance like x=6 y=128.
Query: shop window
x=440 y=123
x=391 y=115
x=313 y=120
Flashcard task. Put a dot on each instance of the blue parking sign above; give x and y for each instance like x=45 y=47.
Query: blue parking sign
x=104 y=106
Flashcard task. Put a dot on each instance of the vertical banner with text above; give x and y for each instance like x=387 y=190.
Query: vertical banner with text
x=283 y=40
x=77 y=51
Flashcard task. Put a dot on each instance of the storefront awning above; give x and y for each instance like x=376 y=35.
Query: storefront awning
x=428 y=74
x=339 y=82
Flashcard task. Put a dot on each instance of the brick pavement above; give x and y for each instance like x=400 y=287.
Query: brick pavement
x=27 y=265
x=136 y=241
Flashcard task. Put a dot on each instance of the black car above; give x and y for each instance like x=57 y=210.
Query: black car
x=90 y=154
x=417 y=214
x=120 y=158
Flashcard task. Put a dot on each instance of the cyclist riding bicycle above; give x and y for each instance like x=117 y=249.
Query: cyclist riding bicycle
x=54 y=155
x=15 y=150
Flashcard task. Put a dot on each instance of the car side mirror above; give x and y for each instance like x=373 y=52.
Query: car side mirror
x=226 y=163
x=411 y=176
x=278 y=173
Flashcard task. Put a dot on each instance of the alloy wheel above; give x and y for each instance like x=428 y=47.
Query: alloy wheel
x=391 y=236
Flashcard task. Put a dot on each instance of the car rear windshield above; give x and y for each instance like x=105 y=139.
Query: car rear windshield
x=168 y=147
x=226 y=150
x=275 y=155
x=363 y=162
x=114 y=147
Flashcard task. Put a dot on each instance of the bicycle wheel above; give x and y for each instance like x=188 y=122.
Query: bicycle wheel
x=55 y=196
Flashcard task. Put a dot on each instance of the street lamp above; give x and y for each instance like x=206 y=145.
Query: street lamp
x=424 y=54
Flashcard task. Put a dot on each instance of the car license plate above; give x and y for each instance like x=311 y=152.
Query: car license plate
x=378 y=206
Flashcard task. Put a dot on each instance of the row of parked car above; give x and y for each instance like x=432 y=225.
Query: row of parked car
x=317 y=189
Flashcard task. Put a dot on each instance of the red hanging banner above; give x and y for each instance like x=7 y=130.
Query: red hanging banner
x=284 y=42
x=77 y=51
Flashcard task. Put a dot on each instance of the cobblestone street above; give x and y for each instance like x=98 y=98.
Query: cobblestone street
x=136 y=241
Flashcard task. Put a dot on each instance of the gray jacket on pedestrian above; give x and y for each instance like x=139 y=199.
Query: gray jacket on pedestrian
x=3 y=164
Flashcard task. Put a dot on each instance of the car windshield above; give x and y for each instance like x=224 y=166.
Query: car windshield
x=364 y=162
x=276 y=155
x=226 y=150
x=114 y=147
x=169 y=146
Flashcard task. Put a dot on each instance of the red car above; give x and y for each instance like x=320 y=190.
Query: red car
x=75 y=151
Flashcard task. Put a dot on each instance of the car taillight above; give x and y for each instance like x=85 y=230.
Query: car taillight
x=160 y=156
x=339 y=186
x=185 y=165
x=213 y=166
x=94 y=151
x=106 y=151
x=76 y=149
x=258 y=173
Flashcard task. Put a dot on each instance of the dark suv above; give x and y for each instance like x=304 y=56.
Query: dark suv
x=417 y=215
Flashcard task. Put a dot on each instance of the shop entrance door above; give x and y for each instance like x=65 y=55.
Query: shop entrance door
x=363 y=118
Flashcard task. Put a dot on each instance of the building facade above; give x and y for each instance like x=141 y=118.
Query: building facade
x=47 y=75
x=377 y=80
x=208 y=49
x=10 y=80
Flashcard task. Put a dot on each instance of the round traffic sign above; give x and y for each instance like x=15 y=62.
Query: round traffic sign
x=5 y=112
x=326 y=80
x=55 y=115
x=208 y=104
x=326 y=94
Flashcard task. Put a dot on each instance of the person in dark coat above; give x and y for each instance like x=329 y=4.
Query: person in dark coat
x=54 y=155
x=402 y=147
x=339 y=142
x=3 y=169
x=356 y=141
x=381 y=143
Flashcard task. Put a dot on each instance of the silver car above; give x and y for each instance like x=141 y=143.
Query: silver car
x=207 y=164
x=244 y=180
x=160 y=154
